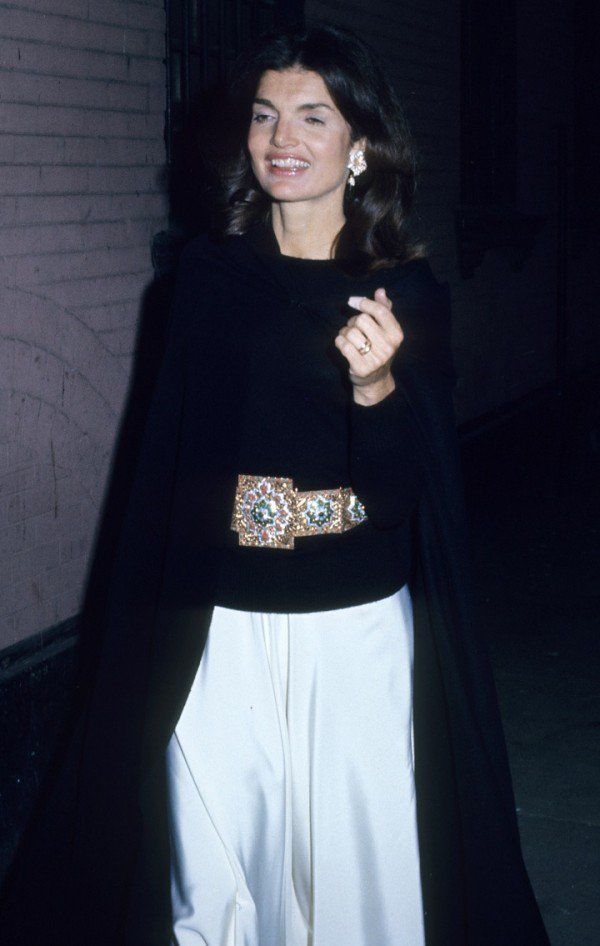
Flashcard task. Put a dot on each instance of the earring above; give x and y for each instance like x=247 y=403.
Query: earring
x=357 y=165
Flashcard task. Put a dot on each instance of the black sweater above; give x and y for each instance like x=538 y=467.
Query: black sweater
x=301 y=421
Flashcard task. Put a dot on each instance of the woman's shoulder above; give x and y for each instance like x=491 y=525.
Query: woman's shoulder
x=422 y=305
x=200 y=249
x=422 y=297
x=416 y=275
x=214 y=258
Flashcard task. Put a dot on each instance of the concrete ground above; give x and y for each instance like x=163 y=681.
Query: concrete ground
x=535 y=535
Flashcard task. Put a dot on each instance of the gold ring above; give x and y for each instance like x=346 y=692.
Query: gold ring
x=365 y=348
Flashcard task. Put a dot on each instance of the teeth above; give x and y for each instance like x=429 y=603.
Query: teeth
x=289 y=163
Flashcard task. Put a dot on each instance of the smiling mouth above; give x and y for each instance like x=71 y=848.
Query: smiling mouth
x=288 y=167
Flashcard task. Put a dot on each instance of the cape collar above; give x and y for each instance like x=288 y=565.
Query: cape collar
x=317 y=286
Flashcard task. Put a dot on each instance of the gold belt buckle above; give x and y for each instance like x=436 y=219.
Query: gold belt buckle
x=270 y=511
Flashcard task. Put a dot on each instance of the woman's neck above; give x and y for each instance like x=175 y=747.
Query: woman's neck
x=302 y=235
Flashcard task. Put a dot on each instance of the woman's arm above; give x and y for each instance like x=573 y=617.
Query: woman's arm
x=385 y=464
x=144 y=521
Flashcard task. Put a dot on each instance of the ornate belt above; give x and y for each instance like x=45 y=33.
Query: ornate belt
x=270 y=511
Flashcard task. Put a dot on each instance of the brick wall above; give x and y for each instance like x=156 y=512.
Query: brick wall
x=81 y=154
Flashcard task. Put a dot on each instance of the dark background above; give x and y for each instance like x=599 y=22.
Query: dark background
x=106 y=174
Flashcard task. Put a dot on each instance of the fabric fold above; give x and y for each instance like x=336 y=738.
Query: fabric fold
x=296 y=801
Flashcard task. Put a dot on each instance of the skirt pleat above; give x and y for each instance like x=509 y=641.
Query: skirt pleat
x=291 y=782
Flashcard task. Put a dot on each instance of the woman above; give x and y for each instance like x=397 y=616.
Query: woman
x=288 y=731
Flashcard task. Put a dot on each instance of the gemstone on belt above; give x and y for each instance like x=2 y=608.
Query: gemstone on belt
x=270 y=511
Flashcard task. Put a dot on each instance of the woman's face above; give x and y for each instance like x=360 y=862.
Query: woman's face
x=295 y=118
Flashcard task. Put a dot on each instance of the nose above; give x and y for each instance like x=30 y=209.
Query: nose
x=283 y=134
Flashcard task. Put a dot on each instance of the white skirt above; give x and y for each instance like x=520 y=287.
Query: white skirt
x=291 y=785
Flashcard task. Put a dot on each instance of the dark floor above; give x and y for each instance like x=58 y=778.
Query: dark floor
x=537 y=580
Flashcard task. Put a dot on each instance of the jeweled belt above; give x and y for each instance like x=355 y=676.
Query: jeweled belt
x=270 y=511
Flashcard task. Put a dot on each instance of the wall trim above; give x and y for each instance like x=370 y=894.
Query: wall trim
x=25 y=655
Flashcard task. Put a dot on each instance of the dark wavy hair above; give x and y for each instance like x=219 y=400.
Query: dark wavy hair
x=376 y=209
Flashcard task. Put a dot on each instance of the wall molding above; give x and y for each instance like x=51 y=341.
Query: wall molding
x=26 y=655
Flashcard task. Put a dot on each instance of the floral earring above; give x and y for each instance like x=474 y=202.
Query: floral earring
x=357 y=165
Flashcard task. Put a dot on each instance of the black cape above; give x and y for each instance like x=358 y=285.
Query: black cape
x=93 y=866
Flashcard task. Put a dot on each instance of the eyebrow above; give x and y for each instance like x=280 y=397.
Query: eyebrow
x=307 y=105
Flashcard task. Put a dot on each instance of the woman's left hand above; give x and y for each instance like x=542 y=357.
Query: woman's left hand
x=370 y=374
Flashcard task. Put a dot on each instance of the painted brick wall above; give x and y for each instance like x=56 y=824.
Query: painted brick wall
x=81 y=153
x=504 y=321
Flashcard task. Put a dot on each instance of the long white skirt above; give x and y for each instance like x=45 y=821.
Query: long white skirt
x=291 y=786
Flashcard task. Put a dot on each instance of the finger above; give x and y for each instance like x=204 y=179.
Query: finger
x=369 y=327
x=360 y=365
x=359 y=338
x=382 y=296
x=386 y=342
x=378 y=310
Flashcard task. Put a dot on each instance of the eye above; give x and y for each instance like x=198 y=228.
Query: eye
x=255 y=118
x=319 y=121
